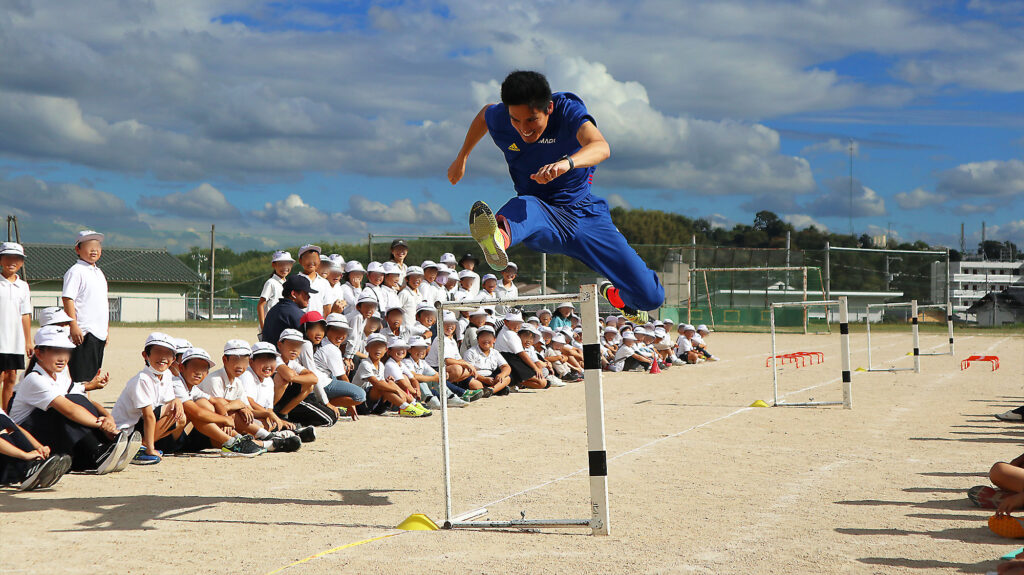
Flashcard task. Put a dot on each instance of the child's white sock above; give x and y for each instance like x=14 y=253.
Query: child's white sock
x=404 y=405
x=231 y=441
x=262 y=434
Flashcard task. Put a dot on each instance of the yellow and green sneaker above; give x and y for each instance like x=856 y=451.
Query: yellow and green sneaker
x=484 y=229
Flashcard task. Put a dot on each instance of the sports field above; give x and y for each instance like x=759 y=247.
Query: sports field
x=699 y=483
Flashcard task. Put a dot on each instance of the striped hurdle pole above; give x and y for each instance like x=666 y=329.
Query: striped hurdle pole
x=844 y=352
x=917 y=336
x=949 y=326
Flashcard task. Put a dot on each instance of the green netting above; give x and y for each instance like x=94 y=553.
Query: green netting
x=740 y=299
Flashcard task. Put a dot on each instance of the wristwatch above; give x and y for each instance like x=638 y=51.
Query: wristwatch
x=572 y=164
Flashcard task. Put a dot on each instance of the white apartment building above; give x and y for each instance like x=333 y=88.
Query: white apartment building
x=971 y=280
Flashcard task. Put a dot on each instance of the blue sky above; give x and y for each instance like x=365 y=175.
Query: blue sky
x=288 y=122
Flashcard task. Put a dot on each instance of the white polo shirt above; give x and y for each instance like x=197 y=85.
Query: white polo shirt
x=324 y=295
x=147 y=388
x=219 y=384
x=260 y=391
x=86 y=285
x=508 y=341
x=486 y=364
x=365 y=371
x=273 y=290
x=451 y=351
x=329 y=360
x=36 y=391
x=15 y=303
x=398 y=370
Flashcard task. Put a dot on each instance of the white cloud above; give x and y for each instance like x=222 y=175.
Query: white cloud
x=403 y=211
x=617 y=201
x=836 y=200
x=873 y=231
x=203 y=202
x=38 y=198
x=994 y=178
x=803 y=221
x=292 y=212
x=918 y=198
x=719 y=221
x=832 y=145
x=968 y=209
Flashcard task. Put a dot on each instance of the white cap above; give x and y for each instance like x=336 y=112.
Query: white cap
x=375 y=316
x=478 y=311
x=611 y=318
x=309 y=248
x=424 y=306
x=565 y=304
x=512 y=265
x=281 y=256
x=466 y=274
x=338 y=259
x=443 y=269
x=558 y=338
x=54 y=336
x=610 y=329
x=488 y=277
x=393 y=307
x=420 y=330
x=628 y=335
x=161 y=339
x=181 y=345
x=291 y=335
x=263 y=347
x=237 y=347
x=395 y=342
x=367 y=298
x=546 y=329
x=484 y=329
x=659 y=332
x=542 y=311
x=688 y=327
x=353 y=266
x=11 y=249
x=449 y=317
x=413 y=271
x=668 y=321
x=529 y=328
x=53 y=315
x=337 y=320
x=703 y=328
x=391 y=268
x=376 y=338
x=418 y=341
x=513 y=316
x=375 y=267
x=659 y=323
x=428 y=264
x=197 y=353
x=448 y=259
x=86 y=235
x=640 y=331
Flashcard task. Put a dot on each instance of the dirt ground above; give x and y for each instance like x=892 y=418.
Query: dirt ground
x=698 y=481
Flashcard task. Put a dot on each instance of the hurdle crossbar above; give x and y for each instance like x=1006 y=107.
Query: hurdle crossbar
x=914 y=331
x=598 y=522
x=844 y=352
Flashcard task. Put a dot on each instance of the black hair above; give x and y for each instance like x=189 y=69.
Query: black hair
x=525 y=87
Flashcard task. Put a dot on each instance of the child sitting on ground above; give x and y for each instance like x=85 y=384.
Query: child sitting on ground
x=380 y=390
x=626 y=356
x=491 y=368
x=426 y=375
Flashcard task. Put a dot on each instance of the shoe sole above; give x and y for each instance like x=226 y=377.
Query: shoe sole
x=64 y=465
x=635 y=316
x=482 y=226
x=134 y=443
x=1006 y=526
x=35 y=480
x=120 y=448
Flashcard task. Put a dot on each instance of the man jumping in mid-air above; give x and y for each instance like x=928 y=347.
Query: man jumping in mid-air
x=552 y=145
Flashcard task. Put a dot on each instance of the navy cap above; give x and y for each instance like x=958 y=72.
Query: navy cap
x=297 y=282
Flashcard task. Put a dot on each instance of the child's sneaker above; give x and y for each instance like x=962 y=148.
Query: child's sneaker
x=1006 y=526
x=484 y=229
x=306 y=434
x=143 y=458
x=44 y=473
x=113 y=454
x=283 y=444
x=414 y=410
x=134 y=443
x=433 y=402
x=472 y=395
x=241 y=446
x=455 y=401
x=985 y=497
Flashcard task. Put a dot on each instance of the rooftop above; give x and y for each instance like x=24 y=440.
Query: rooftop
x=47 y=262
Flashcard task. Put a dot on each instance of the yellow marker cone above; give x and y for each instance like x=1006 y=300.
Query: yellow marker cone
x=910 y=353
x=418 y=522
x=759 y=403
x=860 y=369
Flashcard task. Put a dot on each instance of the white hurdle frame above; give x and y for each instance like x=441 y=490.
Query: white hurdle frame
x=948 y=306
x=915 y=335
x=598 y=522
x=844 y=352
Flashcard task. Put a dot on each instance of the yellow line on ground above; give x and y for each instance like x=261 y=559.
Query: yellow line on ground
x=334 y=550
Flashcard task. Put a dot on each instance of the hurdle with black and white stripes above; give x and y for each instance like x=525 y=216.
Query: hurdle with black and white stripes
x=598 y=521
x=844 y=351
x=915 y=332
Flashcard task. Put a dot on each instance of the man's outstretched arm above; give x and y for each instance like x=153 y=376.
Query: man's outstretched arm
x=594 y=150
x=477 y=130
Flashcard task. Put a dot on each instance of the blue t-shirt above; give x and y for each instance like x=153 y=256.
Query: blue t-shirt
x=558 y=139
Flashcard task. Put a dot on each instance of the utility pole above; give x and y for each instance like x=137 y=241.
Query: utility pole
x=213 y=251
x=851 y=186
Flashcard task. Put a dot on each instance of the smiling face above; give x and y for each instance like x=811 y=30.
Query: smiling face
x=356 y=278
x=11 y=264
x=337 y=335
x=89 y=250
x=263 y=364
x=398 y=253
x=235 y=365
x=194 y=371
x=282 y=269
x=366 y=308
x=52 y=359
x=414 y=281
x=485 y=340
x=509 y=274
x=395 y=320
x=315 y=332
x=289 y=349
x=375 y=278
x=309 y=261
x=159 y=358
x=449 y=328
x=376 y=350
x=528 y=122
x=429 y=274
x=398 y=353
x=391 y=280
x=301 y=298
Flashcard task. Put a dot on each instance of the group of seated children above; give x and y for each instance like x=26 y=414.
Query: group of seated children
x=627 y=347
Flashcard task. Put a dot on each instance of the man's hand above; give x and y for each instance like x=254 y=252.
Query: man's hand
x=550 y=172
x=77 y=337
x=457 y=169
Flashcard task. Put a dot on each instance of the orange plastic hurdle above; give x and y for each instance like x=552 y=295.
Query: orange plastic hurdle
x=799 y=359
x=992 y=359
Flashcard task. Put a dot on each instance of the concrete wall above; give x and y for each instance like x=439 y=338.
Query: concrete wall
x=129 y=302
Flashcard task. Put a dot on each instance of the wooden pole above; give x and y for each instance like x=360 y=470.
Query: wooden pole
x=213 y=251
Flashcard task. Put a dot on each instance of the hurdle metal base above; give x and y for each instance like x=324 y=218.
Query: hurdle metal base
x=519 y=523
x=935 y=353
x=891 y=369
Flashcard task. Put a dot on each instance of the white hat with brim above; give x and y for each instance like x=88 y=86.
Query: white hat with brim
x=282 y=256
x=513 y=316
x=628 y=336
x=53 y=316
x=367 y=298
x=449 y=317
x=161 y=339
x=448 y=258
x=394 y=307
x=428 y=264
x=354 y=266
x=375 y=267
x=197 y=353
x=86 y=235
x=391 y=268
x=263 y=348
x=181 y=345
x=414 y=271
x=397 y=343
x=703 y=328
x=466 y=274
x=309 y=248
x=54 y=336
x=291 y=335
x=485 y=329
x=512 y=265
x=237 y=347
x=337 y=320
x=558 y=338
x=12 y=249
x=565 y=305
x=376 y=338
x=424 y=306
x=478 y=311
x=418 y=342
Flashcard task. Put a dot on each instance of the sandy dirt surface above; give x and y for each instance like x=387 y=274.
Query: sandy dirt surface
x=699 y=483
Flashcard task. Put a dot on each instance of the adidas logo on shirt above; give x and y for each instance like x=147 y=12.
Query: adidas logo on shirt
x=514 y=147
